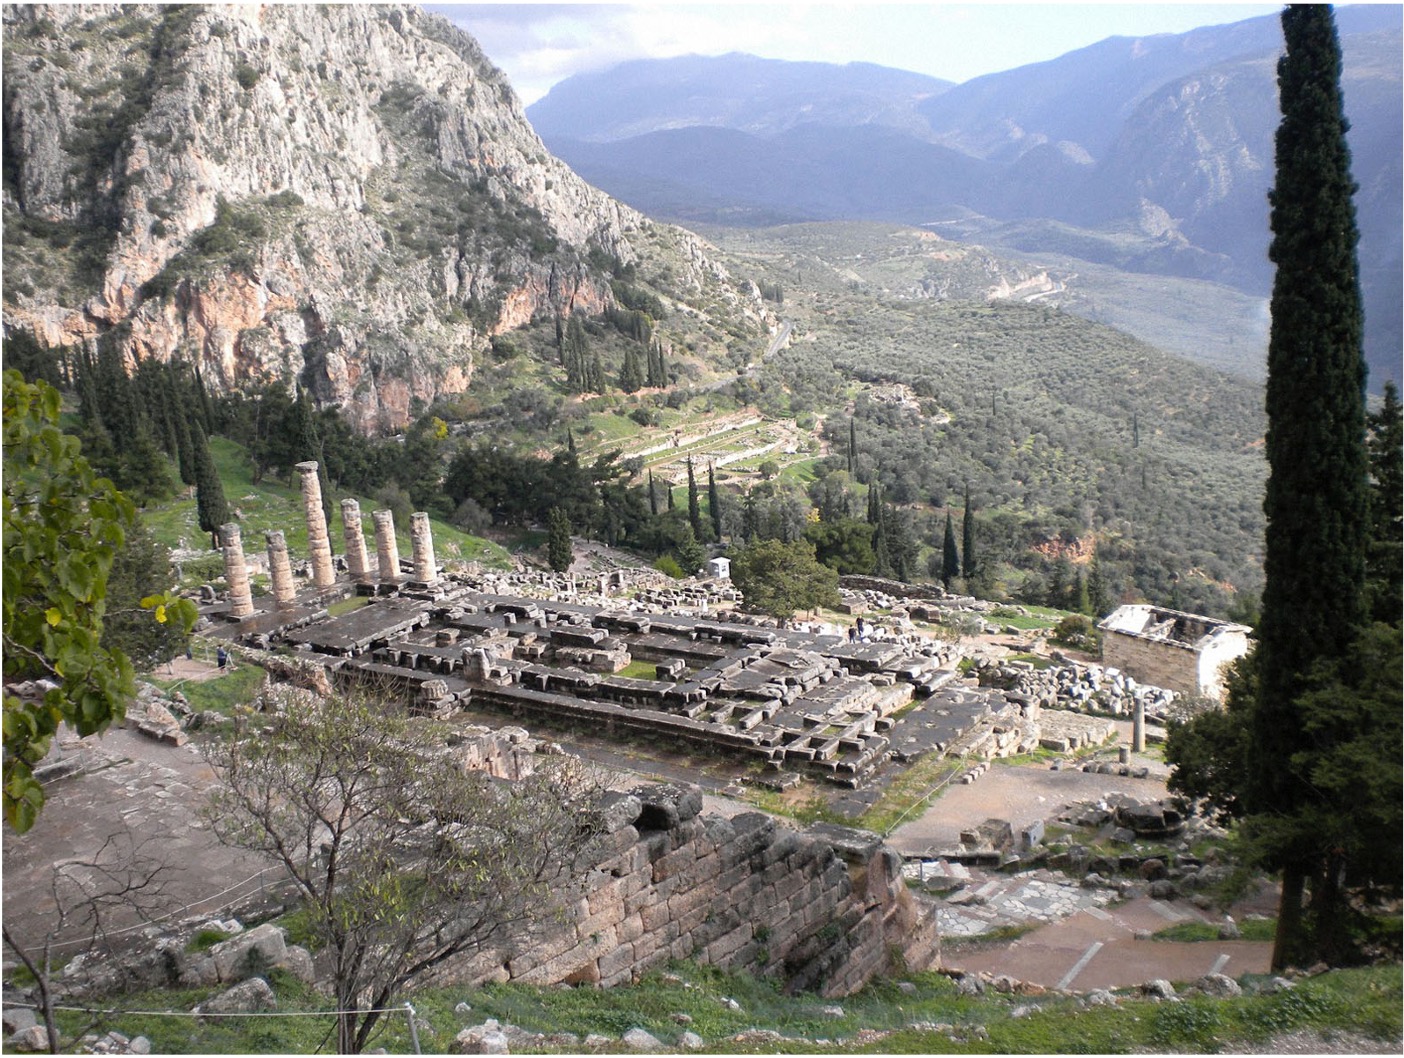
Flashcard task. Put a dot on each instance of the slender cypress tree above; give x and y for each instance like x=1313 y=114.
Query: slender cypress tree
x=1316 y=499
x=558 y=549
x=714 y=502
x=1385 y=559
x=967 y=538
x=950 y=557
x=210 y=505
x=694 y=508
x=652 y=496
x=852 y=444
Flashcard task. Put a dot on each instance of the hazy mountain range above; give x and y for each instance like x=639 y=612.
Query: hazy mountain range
x=1150 y=154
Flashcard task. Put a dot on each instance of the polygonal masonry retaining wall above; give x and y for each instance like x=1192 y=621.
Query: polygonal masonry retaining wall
x=823 y=909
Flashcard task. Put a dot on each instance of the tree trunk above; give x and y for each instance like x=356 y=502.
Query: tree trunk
x=1291 y=927
x=1327 y=924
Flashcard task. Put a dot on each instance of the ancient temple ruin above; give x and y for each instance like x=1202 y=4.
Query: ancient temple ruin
x=1183 y=652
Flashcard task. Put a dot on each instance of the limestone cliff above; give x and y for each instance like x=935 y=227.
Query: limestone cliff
x=346 y=195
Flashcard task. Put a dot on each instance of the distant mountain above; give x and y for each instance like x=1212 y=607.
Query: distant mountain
x=1150 y=154
x=742 y=92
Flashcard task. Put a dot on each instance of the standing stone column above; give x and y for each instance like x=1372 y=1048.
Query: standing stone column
x=236 y=571
x=284 y=594
x=422 y=539
x=357 y=561
x=1138 y=726
x=387 y=550
x=318 y=544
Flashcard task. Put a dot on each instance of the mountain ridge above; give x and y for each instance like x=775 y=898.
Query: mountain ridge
x=189 y=183
x=1153 y=155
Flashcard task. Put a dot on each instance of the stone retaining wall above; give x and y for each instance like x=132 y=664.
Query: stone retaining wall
x=821 y=910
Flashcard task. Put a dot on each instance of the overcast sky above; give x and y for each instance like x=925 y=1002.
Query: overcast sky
x=540 y=44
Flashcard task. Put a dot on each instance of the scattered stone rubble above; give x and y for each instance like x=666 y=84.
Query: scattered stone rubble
x=1076 y=686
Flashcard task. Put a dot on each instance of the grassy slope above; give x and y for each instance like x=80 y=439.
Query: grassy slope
x=272 y=504
x=1363 y=1001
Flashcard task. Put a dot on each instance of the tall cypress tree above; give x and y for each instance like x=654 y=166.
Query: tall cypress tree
x=652 y=496
x=967 y=538
x=950 y=557
x=210 y=505
x=694 y=508
x=714 y=502
x=1314 y=561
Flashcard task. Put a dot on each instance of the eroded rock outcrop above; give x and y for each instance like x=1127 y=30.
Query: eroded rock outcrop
x=345 y=194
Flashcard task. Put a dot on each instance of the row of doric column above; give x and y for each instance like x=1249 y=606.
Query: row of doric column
x=319 y=550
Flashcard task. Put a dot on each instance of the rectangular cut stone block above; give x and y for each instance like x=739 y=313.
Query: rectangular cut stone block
x=681 y=903
x=673 y=862
x=645 y=897
x=612 y=962
x=644 y=963
x=607 y=900
x=655 y=916
x=725 y=945
x=629 y=929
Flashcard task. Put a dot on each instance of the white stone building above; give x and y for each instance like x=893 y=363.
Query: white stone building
x=1183 y=652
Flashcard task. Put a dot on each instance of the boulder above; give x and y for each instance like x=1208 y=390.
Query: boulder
x=1220 y=985
x=247 y=997
x=254 y=951
x=34 y=1038
x=487 y=1038
x=17 y=1019
x=1159 y=989
x=690 y=1041
x=642 y=1042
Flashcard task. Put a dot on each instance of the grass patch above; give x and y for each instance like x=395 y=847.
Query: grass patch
x=1364 y=1001
x=273 y=504
x=1034 y=620
x=640 y=670
x=348 y=605
x=221 y=694
x=907 y=790
x=1036 y=660
x=1255 y=929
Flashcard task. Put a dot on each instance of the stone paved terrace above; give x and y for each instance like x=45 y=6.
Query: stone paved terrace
x=790 y=699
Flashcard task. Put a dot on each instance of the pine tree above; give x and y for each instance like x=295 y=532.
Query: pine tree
x=714 y=502
x=1314 y=559
x=967 y=538
x=211 y=507
x=558 y=549
x=950 y=557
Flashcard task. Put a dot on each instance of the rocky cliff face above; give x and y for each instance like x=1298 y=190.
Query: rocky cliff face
x=347 y=195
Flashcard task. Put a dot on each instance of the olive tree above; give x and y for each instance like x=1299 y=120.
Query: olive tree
x=404 y=858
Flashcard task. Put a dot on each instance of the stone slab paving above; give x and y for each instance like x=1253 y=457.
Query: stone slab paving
x=1014 y=900
x=139 y=792
x=1089 y=950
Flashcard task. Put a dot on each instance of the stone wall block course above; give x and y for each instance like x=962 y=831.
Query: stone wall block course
x=674 y=862
x=727 y=944
x=655 y=916
x=629 y=929
x=619 y=958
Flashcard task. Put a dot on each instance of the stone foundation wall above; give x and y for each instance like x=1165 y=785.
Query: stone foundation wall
x=1174 y=666
x=821 y=910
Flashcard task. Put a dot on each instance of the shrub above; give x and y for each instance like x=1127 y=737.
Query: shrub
x=1077 y=631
